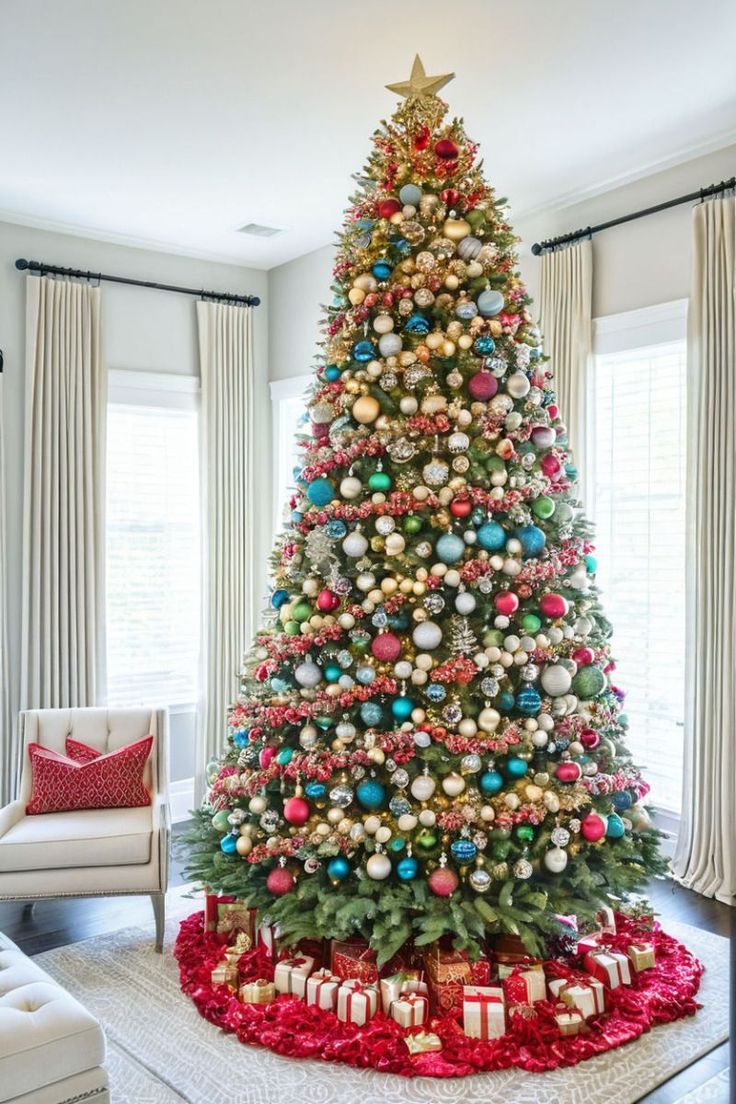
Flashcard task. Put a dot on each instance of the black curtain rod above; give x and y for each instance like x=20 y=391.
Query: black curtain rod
x=56 y=270
x=575 y=235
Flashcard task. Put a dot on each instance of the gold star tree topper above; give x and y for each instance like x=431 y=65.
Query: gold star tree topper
x=419 y=84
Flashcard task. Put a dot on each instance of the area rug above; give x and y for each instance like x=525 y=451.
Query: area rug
x=162 y=1052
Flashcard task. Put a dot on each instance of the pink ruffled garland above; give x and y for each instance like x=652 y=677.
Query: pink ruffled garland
x=533 y=1042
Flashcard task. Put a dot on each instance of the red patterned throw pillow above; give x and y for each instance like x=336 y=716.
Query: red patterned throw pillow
x=79 y=752
x=111 y=781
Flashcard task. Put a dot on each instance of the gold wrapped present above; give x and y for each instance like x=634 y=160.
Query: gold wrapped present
x=424 y=1042
x=642 y=956
x=226 y=973
x=258 y=992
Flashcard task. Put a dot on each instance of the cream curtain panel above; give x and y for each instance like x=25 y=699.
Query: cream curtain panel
x=565 y=308
x=705 y=859
x=228 y=501
x=7 y=749
x=63 y=652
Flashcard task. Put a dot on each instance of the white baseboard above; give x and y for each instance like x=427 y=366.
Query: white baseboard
x=181 y=798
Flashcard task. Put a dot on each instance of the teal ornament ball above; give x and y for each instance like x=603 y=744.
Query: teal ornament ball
x=338 y=868
x=315 y=790
x=532 y=540
x=371 y=713
x=410 y=195
x=371 y=794
x=407 y=868
x=588 y=682
x=279 y=598
x=401 y=708
x=491 y=536
x=382 y=270
x=621 y=800
x=515 y=767
x=241 y=738
x=284 y=756
x=490 y=303
x=528 y=701
x=332 y=373
x=614 y=826
x=505 y=701
x=450 y=548
x=379 y=481
x=321 y=491
x=332 y=672
x=363 y=351
x=417 y=324
x=484 y=346
x=491 y=782
x=228 y=844
x=591 y=564
x=463 y=851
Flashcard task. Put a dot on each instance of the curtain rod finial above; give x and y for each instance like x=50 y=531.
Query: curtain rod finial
x=22 y=264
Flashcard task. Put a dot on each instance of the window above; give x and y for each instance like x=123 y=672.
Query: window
x=153 y=541
x=288 y=412
x=638 y=504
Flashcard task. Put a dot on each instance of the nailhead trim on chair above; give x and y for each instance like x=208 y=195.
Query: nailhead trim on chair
x=89 y=1095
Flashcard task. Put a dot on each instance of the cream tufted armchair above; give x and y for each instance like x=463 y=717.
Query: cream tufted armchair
x=93 y=852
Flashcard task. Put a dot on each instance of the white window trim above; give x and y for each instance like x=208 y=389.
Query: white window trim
x=135 y=388
x=281 y=390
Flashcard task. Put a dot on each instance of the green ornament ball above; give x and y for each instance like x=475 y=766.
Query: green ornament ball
x=379 y=481
x=412 y=524
x=530 y=623
x=525 y=832
x=302 y=611
x=543 y=507
x=291 y=628
x=426 y=840
x=220 y=822
x=588 y=683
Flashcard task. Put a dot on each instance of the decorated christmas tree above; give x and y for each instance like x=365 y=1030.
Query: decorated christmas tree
x=429 y=738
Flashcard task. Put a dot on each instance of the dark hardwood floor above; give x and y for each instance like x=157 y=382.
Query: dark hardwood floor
x=55 y=923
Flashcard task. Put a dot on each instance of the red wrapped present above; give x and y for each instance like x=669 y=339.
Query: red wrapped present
x=588 y=943
x=410 y=1010
x=587 y=995
x=484 y=1015
x=353 y=958
x=225 y=917
x=642 y=956
x=447 y=972
x=356 y=1003
x=608 y=966
x=525 y=986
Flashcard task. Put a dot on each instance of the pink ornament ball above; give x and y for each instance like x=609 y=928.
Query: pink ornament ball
x=265 y=755
x=386 y=647
x=567 y=772
x=551 y=466
x=553 y=411
x=583 y=656
x=553 y=605
x=327 y=601
x=593 y=828
x=482 y=386
x=280 y=881
x=589 y=738
x=296 y=811
x=443 y=882
x=506 y=603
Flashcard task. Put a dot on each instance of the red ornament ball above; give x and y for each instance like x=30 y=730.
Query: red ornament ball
x=553 y=605
x=593 y=828
x=280 y=881
x=568 y=772
x=551 y=466
x=451 y=197
x=296 y=811
x=583 y=656
x=265 y=755
x=327 y=601
x=589 y=738
x=443 y=882
x=446 y=149
x=386 y=647
x=461 y=507
x=388 y=207
x=482 y=386
x=506 y=602
x=421 y=138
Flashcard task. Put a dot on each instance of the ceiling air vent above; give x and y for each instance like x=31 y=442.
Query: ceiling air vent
x=257 y=231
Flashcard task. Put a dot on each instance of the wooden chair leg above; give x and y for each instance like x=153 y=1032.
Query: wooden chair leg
x=158 y=900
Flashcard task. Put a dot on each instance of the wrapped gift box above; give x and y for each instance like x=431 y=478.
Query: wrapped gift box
x=226 y=973
x=484 y=1014
x=356 y=1002
x=406 y=981
x=608 y=966
x=642 y=956
x=569 y=1022
x=410 y=1010
x=587 y=995
x=258 y=992
x=588 y=943
x=353 y=958
x=448 y=971
x=227 y=916
x=322 y=988
x=290 y=975
x=606 y=920
x=525 y=986
x=423 y=1042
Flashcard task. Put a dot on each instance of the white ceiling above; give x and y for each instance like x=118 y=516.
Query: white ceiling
x=170 y=123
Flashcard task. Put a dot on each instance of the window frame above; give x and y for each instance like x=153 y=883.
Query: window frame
x=283 y=391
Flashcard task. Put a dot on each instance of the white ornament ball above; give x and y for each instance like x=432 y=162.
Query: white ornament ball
x=372 y=824
x=552 y=801
x=545 y=722
x=383 y=835
x=540 y=739
x=395 y=544
x=423 y=787
x=378 y=867
x=467 y=727
x=257 y=805
x=408 y=405
x=308 y=675
x=403 y=669
x=517 y=385
x=489 y=719
x=555 y=860
x=488 y=813
x=384 y=323
x=453 y=784
x=407 y=822
x=427 y=818
x=350 y=487
x=556 y=680
x=355 y=545
x=427 y=635
x=390 y=345
x=465 y=603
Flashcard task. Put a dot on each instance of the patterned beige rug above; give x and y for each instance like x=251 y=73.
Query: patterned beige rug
x=162 y=1052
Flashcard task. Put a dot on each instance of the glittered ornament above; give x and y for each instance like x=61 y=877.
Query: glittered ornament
x=523 y=869
x=443 y=882
x=450 y=548
x=320 y=492
x=386 y=647
x=280 y=881
x=588 y=682
x=371 y=794
x=427 y=635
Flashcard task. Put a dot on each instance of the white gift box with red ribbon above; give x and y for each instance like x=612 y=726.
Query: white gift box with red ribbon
x=290 y=975
x=410 y=1010
x=356 y=1002
x=585 y=994
x=393 y=987
x=321 y=989
x=484 y=1012
x=608 y=966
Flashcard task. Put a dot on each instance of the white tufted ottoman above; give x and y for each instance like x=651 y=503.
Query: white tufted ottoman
x=51 y=1047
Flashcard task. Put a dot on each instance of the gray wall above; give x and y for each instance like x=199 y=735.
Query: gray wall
x=143 y=330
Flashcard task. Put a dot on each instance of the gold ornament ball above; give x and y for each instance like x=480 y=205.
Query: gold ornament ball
x=456 y=229
x=365 y=409
x=244 y=845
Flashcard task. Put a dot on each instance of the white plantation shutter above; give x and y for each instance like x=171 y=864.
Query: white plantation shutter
x=638 y=461
x=153 y=550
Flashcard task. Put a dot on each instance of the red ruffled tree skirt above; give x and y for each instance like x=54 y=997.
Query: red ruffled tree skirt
x=287 y=1026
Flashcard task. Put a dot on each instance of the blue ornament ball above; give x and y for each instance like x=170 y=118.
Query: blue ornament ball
x=402 y=708
x=363 y=351
x=505 y=701
x=466 y=310
x=382 y=270
x=410 y=195
x=614 y=826
x=529 y=701
x=278 y=598
x=371 y=713
x=365 y=676
x=321 y=491
x=370 y=793
x=532 y=540
x=621 y=800
x=315 y=789
x=241 y=738
x=490 y=303
x=490 y=782
x=332 y=373
x=450 y=548
x=228 y=844
x=492 y=536
x=516 y=767
x=407 y=868
x=417 y=324
x=338 y=868
x=463 y=851
x=332 y=672
x=484 y=346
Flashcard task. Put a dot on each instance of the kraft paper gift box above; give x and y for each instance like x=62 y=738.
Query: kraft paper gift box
x=570 y=1022
x=356 y=1002
x=353 y=958
x=524 y=986
x=258 y=992
x=406 y=981
x=484 y=1014
x=587 y=995
x=642 y=956
x=322 y=988
x=290 y=975
x=608 y=966
x=410 y=1010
